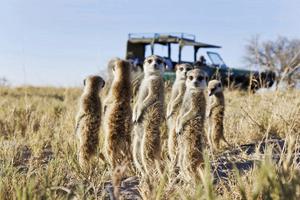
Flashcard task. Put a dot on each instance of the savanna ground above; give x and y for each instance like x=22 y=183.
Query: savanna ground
x=38 y=150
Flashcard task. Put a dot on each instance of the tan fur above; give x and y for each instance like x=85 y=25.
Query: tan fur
x=174 y=104
x=148 y=115
x=216 y=107
x=88 y=120
x=190 y=125
x=117 y=116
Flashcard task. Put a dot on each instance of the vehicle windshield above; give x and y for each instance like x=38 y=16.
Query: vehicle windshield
x=216 y=59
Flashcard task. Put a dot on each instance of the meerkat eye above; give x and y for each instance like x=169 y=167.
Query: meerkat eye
x=200 y=78
x=181 y=68
x=149 y=61
x=191 y=77
x=159 y=61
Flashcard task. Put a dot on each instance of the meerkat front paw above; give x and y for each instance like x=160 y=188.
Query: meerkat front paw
x=169 y=114
x=138 y=115
x=104 y=109
x=178 y=129
x=134 y=117
x=208 y=114
x=134 y=114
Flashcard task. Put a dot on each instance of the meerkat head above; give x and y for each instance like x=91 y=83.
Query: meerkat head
x=182 y=70
x=154 y=65
x=121 y=67
x=214 y=87
x=110 y=66
x=93 y=84
x=196 y=79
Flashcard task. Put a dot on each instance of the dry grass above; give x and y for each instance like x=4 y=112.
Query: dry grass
x=38 y=150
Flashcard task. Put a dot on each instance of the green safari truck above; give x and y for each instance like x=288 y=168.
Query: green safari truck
x=140 y=45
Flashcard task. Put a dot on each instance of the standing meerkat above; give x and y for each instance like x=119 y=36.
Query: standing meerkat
x=190 y=123
x=215 y=114
x=178 y=90
x=118 y=115
x=148 y=115
x=88 y=119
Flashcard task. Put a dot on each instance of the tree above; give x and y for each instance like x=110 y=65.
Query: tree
x=3 y=82
x=281 y=56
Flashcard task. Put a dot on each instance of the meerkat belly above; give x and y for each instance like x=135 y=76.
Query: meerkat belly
x=152 y=122
x=193 y=141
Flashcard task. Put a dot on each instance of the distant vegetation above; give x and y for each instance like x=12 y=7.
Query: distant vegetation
x=3 y=81
x=281 y=55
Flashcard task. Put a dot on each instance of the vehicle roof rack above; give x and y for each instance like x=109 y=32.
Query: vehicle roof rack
x=184 y=39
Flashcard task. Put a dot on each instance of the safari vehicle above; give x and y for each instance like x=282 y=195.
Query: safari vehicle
x=141 y=44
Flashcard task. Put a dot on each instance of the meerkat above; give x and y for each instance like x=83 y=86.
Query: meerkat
x=215 y=114
x=88 y=119
x=190 y=123
x=109 y=75
x=118 y=115
x=178 y=90
x=148 y=115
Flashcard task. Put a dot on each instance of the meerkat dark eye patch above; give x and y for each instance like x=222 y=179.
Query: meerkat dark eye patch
x=188 y=69
x=200 y=78
x=191 y=77
x=219 y=85
x=159 y=61
x=149 y=61
x=181 y=68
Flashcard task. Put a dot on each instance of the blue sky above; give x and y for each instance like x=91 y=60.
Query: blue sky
x=59 y=42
